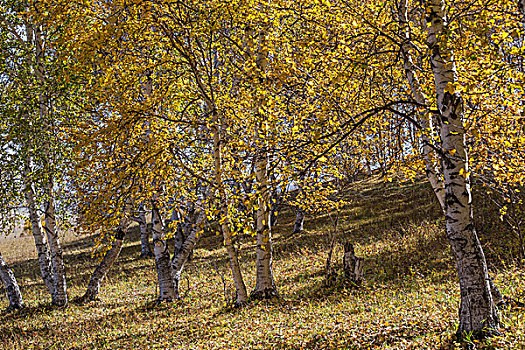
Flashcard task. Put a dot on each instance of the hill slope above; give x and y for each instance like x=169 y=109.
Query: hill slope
x=409 y=300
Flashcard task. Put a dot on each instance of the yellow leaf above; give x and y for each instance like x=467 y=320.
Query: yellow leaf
x=450 y=88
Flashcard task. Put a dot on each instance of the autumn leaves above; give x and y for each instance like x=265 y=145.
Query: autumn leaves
x=244 y=100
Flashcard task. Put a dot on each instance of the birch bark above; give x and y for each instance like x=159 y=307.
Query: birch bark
x=434 y=174
x=217 y=130
x=11 y=286
x=107 y=262
x=162 y=257
x=59 y=275
x=431 y=167
x=34 y=37
x=145 y=250
x=181 y=229
x=59 y=295
x=265 y=286
x=477 y=314
x=240 y=287
x=184 y=247
x=44 y=260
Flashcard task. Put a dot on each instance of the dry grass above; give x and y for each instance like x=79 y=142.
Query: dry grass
x=409 y=301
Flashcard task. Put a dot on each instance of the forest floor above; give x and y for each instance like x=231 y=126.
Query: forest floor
x=409 y=301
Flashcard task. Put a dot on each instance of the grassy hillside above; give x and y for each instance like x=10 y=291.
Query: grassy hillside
x=409 y=301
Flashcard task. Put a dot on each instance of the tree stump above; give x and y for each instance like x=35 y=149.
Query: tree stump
x=352 y=265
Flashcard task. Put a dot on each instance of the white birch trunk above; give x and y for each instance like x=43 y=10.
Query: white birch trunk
x=11 y=286
x=44 y=260
x=240 y=287
x=183 y=248
x=217 y=129
x=432 y=171
x=145 y=250
x=59 y=295
x=477 y=314
x=265 y=286
x=59 y=275
x=107 y=262
x=432 y=168
x=181 y=231
x=162 y=257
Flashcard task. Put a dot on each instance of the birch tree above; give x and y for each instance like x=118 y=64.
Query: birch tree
x=431 y=161
x=478 y=312
x=265 y=286
x=11 y=286
x=162 y=257
x=32 y=134
x=185 y=240
x=59 y=278
x=145 y=250
x=42 y=248
x=106 y=263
